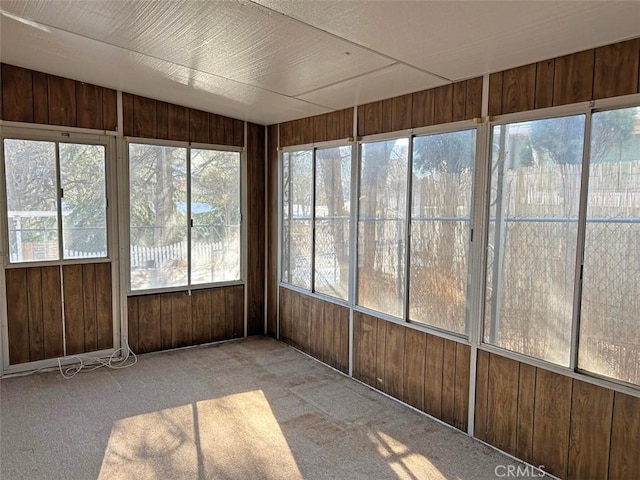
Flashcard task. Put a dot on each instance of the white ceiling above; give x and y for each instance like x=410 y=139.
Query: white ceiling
x=269 y=61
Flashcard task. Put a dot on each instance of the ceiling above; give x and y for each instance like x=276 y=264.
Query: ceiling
x=269 y=61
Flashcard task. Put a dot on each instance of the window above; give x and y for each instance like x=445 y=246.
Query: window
x=535 y=193
x=610 y=316
x=297 y=215
x=381 y=225
x=441 y=194
x=56 y=200
x=184 y=216
x=316 y=219
x=332 y=221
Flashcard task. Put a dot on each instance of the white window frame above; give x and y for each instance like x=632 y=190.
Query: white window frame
x=125 y=214
x=62 y=136
x=313 y=147
x=572 y=371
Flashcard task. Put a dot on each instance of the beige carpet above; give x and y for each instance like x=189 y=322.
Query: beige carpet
x=250 y=409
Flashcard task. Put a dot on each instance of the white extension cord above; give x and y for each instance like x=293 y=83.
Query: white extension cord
x=88 y=364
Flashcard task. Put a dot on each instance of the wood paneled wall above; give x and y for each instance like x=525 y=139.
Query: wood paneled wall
x=149 y=118
x=575 y=429
x=256 y=224
x=604 y=72
x=428 y=372
x=316 y=327
x=35 y=304
x=272 y=234
x=170 y=320
x=449 y=103
x=336 y=125
x=34 y=97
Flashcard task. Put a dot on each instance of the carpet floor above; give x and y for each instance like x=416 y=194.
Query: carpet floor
x=249 y=409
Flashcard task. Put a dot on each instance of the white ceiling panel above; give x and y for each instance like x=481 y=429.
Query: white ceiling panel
x=61 y=53
x=462 y=39
x=237 y=40
x=385 y=83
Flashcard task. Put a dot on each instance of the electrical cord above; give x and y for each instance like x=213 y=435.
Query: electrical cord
x=89 y=364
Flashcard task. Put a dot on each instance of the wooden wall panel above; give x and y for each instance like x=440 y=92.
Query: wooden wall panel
x=545 y=72
x=551 y=422
x=495 y=94
x=341 y=337
x=616 y=69
x=394 y=360
x=590 y=436
x=218 y=314
x=162 y=120
x=316 y=329
x=319 y=128
x=518 y=89
x=36 y=325
x=284 y=313
x=166 y=338
x=73 y=308
x=433 y=376
x=387 y=112
x=62 y=101
x=401 y=112
x=461 y=392
x=40 y=98
x=256 y=218
x=109 y=109
x=17 y=94
x=526 y=405
x=502 y=402
x=482 y=392
x=473 y=107
x=132 y=323
x=381 y=340
x=144 y=117
x=624 y=461
x=234 y=305
x=18 y=315
x=198 y=126
x=366 y=348
x=178 y=123
x=149 y=332
x=414 y=364
x=370 y=119
x=127 y=114
x=272 y=236
x=104 y=307
x=459 y=101
x=422 y=108
x=89 y=106
x=448 y=381
x=52 y=312
x=89 y=307
x=573 y=79
x=443 y=104
x=170 y=320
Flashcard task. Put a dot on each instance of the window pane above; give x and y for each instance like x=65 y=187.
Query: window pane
x=297 y=190
x=333 y=189
x=381 y=230
x=442 y=188
x=610 y=318
x=84 y=204
x=535 y=192
x=215 y=210
x=31 y=200
x=158 y=216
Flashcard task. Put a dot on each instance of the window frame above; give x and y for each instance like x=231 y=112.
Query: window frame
x=125 y=220
x=313 y=147
x=588 y=109
x=60 y=135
